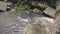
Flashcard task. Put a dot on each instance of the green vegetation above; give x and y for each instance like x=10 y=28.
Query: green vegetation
x=22 y=5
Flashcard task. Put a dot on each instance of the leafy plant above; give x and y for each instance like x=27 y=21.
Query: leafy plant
x=21 y=5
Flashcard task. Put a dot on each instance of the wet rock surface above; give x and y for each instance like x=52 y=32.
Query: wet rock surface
x=57 y=23
x=42 y=26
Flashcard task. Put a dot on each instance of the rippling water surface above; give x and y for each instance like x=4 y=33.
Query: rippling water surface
x=10 y=24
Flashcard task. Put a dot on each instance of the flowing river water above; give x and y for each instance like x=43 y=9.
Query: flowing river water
x=10 y=23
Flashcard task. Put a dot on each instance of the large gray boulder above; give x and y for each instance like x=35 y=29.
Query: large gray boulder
x=50 y=11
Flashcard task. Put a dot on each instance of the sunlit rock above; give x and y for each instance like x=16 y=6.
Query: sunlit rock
x=50 y=11
x=43 y=5
x=36 y=10
x=3 y=5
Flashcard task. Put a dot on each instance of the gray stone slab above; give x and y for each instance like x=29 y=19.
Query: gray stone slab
x=50 y=11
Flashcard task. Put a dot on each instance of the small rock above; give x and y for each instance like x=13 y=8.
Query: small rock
x=2 y=6
x=43 y=5
x=33 y=3
x=50 y=11
x=58 y=6
x=9 y=3
x=36 y=10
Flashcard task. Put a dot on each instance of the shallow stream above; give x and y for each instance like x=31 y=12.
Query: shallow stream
x=10 y=23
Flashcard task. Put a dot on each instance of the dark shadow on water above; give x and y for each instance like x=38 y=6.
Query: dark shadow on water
x=57 y=32
x=1 y=11
x=47 y=15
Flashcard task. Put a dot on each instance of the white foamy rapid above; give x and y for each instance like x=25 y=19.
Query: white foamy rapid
x=45 y=18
